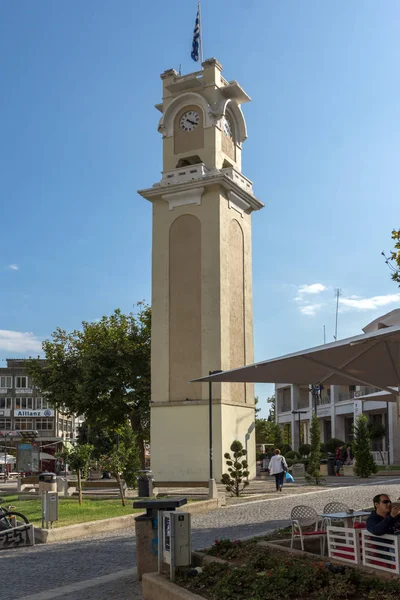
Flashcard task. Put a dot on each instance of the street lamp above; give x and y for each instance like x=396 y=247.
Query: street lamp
x=299 y=412
x=212 y=485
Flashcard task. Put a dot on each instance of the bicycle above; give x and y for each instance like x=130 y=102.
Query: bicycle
x=9 y=517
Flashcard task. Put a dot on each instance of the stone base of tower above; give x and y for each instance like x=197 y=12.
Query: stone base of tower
x=179 y=441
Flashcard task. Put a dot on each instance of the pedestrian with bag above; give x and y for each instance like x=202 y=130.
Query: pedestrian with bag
x=278 y=467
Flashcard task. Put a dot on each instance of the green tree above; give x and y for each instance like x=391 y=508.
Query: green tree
x=277 y=436
x=121 y=461
x=236 y=479
x=313 y=474
x=78 y=458
x=103 y=440
x=364 y=462
x=102 y=371
x=393 y=261
x=264 y=431
x=272 y=402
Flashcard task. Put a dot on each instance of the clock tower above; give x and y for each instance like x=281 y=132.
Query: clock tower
x=202 y=317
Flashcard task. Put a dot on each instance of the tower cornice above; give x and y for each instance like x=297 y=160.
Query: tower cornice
x=238 y=187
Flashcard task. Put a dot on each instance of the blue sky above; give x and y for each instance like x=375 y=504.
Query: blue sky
x=79 y=137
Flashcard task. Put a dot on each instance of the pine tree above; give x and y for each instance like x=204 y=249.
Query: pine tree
x=364 y=462
x=313 y=474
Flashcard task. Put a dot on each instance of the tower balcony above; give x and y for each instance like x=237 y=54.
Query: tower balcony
x=198 y=171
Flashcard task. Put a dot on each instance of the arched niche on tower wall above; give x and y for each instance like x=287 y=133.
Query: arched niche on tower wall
x=184 y=307
x=237 y=347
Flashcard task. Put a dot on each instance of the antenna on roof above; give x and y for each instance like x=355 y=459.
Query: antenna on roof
x=337 y=293
x=324 y=335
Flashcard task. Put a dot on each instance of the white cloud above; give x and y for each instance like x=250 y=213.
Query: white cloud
x=303 y=298
x=19 y=341
x=314 y=288
x=310 y=309
x=13 y=267
x=357 y=303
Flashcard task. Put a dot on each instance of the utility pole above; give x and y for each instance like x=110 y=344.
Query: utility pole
x=337 y=313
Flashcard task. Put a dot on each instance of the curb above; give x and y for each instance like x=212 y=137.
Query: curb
x=80 y=530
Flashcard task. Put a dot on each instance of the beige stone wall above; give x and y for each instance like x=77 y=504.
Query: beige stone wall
x=185 y=274
x=236 y=307
x=181 y=453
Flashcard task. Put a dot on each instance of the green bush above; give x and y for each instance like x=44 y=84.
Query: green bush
x=292 y=454
x=285 y=448
x=236 y=479
x=305 y=449
x=265 y=574
x=332 y=444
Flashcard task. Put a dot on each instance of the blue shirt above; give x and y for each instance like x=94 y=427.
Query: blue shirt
x=382 y=525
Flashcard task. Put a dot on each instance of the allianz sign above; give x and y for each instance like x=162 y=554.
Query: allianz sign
x=47 y=412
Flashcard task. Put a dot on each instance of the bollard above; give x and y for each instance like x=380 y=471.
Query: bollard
x=146 y=528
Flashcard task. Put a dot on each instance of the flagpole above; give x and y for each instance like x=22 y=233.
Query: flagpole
x=201 y=36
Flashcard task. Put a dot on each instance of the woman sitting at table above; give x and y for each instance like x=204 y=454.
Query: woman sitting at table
x=385 y=518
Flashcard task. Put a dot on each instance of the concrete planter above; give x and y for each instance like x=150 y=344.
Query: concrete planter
x=157 y=587
x=323 y=469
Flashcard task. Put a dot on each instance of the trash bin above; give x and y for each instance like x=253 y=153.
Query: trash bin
x=331 y=466
x=144 y=484
x=47 y=482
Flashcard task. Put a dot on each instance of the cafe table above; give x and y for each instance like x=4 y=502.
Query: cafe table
x=347 y=517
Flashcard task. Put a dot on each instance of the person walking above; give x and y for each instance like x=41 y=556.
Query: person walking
x=339 y=459
x=278 y=468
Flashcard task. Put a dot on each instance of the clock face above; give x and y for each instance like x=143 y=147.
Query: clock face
x=227 y=126
x=189 y=120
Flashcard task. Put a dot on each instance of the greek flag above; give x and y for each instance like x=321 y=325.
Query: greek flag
x=196 y=37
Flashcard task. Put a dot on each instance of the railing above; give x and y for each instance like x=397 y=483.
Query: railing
x=365 y=391
x=238 y=178
x=184 y=174
x=323 y=400
x=343 y=396
x=359 y=546
x=381 y=553
x=344 y=544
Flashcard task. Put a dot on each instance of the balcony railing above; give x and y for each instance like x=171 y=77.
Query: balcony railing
x=365 y=391
x=323 y=400
x=343 y=396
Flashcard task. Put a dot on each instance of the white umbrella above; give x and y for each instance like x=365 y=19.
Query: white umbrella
x=10 y=460
x=370 y=359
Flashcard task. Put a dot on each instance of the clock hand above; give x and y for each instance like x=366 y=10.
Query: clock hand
x=192 y=122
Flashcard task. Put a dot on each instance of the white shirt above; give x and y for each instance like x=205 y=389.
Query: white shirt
x=275 y=464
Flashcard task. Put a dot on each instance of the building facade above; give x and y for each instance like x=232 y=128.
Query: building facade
x=24 y=408
x=337 y=409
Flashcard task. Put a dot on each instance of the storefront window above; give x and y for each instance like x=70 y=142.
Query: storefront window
x=23 y=424
x=46 y=424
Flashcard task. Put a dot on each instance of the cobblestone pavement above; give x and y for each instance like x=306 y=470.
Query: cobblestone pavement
x=41 y=573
